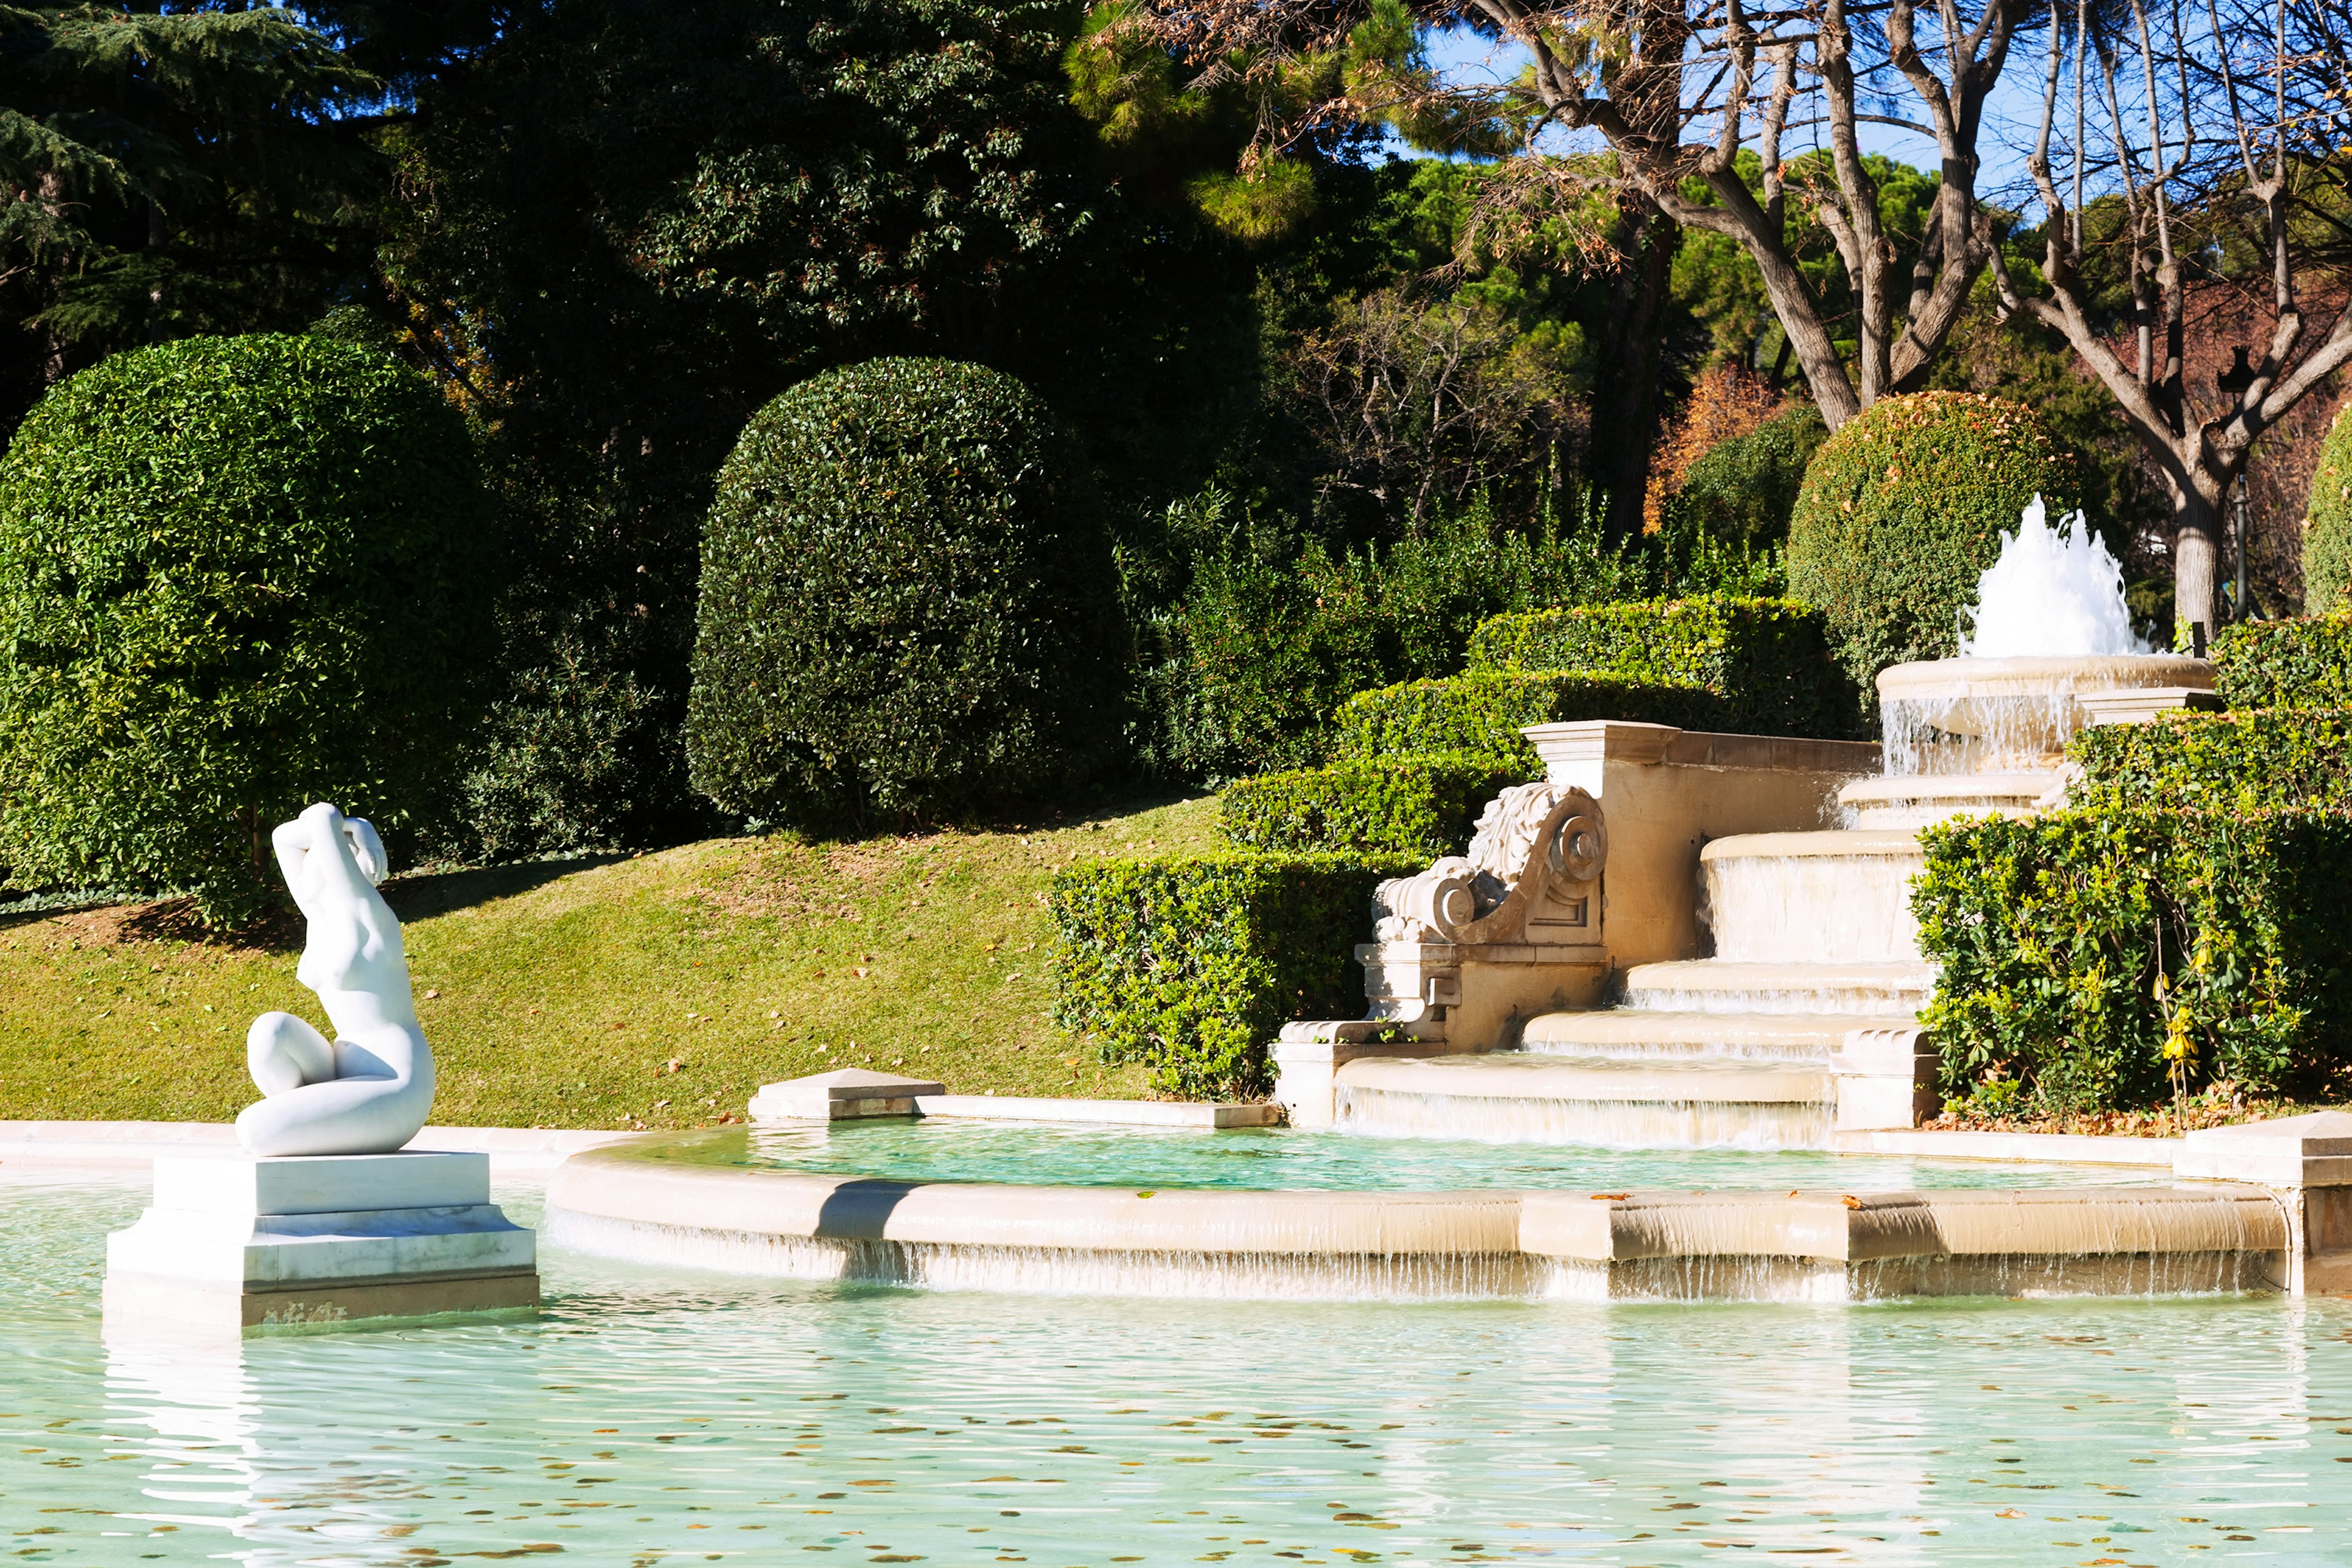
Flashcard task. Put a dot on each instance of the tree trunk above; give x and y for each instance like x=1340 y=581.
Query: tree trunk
x=1625 y=392
x=2195 y=557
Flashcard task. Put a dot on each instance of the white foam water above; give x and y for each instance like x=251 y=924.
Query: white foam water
x=2053 y=592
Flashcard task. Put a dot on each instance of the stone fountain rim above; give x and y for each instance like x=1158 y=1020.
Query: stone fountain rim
x=612 y=1201
x=1953 y=679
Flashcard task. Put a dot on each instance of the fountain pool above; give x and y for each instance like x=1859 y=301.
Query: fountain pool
x=668 y=1416
x=1276 y=1160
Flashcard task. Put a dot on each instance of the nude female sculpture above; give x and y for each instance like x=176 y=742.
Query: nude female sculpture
x=368 y=1090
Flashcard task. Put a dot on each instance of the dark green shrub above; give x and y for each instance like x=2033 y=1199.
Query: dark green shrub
x=1416 y=806
x=1902 y=510
x=909 y=606
x=1272 y=635
x=1484 y=711
x=2285 y=664
x=1194 y=964
x=2051 y=935
x=2327 y=524
x=1745 y=489
x=236 y=575
x=1766 y=659
x=2219 y=761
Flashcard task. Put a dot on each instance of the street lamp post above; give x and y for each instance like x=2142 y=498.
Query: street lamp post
x=2233 y=382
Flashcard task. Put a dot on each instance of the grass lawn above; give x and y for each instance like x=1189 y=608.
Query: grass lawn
x=656 y=990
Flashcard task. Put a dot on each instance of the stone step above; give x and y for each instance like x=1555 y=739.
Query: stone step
x=1919 y=800
x=1877 y=990
x=1628 y=1035
x=1514 y=1097
x=1810 y=898
x=1519 y=1075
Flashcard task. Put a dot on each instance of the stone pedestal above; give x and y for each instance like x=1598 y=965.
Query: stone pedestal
x=2307 y=1161
x=1885 y=1079
x=841 y=1095
x=234 y=1244
x=2139 y=705
x=1309 y=1054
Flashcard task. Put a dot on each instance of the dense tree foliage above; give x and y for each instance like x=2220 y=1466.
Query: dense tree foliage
x=169 y=174
x=1340 y=402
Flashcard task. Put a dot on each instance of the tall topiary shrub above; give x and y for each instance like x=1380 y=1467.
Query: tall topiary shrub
x=909 y=605
x=236 y=575
x=1903 y=508
x=2327 y=524
x=1746 y=488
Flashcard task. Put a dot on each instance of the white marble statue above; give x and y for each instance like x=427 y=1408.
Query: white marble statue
x=368 y=1090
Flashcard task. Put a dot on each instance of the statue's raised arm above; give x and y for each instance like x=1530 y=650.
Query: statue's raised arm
x=368 y=1089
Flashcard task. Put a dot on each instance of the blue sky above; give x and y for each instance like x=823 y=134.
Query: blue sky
x=2008 y=132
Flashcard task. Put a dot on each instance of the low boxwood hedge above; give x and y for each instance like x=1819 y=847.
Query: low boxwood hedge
x=1192 y=964
x=1418 y=806
x=2082 y=954
x=2285 y=664
x=1483 y=710
x=1766 y=659
x=2219 y=761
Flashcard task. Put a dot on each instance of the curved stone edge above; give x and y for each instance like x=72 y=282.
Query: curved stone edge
x=1807 y=1245
x=1930 y=680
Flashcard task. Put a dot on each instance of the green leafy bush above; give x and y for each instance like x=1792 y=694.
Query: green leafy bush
x=1902 y=510
x=2089 y=956
x=1193 y=965
x=1484 y=711
x=1417 y=806
x=1245 y=673
x=236 y=575
x=2327 y=524
x=2285 y=664
x=1766 y=659
x=909 y=605
x=1746 y=488
x=2236 y=761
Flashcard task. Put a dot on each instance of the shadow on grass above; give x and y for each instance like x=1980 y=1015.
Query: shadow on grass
x=420 y=897
x=281 y=930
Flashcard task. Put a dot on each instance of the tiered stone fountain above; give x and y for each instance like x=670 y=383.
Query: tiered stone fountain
x=1803 y=1018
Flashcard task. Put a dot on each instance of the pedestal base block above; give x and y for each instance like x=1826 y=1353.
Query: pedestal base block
x=234 y=1244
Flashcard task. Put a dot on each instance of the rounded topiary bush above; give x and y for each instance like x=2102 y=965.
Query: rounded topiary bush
x=236 y=575
x=909 y=605
x=2327 y=524
x=1902 y=509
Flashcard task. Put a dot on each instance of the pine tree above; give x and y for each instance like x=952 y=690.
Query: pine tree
x=167 y=174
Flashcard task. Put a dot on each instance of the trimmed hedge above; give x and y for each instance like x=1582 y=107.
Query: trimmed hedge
x=2219 y=761
x=908 y=602
x=1766 y=659
x=1193 y=965
x=1482 y=711
x=2285 y=664
x=2327 y=523
x=1418 y=806
x=2050 y=935
x=238 y=574
x=1902 y=510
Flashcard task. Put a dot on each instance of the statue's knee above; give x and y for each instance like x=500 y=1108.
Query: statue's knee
x=282 y=1052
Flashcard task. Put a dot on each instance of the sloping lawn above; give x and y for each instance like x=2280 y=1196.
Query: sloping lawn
x=560 y=994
